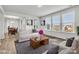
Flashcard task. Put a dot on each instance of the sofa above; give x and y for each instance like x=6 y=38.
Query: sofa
x=61 y=35
x=63 y=49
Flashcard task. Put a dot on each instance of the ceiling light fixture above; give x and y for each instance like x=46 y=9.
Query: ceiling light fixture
x=39 y=6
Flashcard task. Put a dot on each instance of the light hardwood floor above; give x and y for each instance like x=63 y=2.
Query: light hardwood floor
x=8 y=45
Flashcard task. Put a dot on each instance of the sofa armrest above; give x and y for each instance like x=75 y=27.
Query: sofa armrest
x=67 y=51
x=45 y=52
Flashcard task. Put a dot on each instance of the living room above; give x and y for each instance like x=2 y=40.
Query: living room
x=39 y=29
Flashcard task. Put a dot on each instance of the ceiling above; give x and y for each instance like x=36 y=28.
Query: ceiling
x=34 y=9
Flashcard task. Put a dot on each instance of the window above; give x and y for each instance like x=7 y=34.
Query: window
x=68 y=22
x=48 y=23
x=59 y=22
x=36 y=24
x=56 y=23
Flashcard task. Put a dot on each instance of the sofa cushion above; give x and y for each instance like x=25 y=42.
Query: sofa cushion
x=67 y=51
x=53 y=50
x=69 y=42
x=75 y=44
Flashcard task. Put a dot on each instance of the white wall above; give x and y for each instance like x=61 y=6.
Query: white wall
x=1 y=23
x=76 y=16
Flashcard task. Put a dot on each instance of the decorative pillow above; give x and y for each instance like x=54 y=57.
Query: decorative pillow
x=75 y=44
x=69 y=42
x=53 y=50
x=67 y=51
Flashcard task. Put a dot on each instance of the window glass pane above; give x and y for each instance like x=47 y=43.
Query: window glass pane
x=56 y=23
x=56 y=19
x=68 y=17
x=67 y=21
x=48 y=23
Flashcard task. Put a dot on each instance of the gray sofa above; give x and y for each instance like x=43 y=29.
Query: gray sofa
x=63 y=49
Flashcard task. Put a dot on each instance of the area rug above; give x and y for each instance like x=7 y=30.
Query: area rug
x=24 y=47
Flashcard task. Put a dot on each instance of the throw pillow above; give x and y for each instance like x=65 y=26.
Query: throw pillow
x=53 y=50
x=75 y=44
x=69 y=41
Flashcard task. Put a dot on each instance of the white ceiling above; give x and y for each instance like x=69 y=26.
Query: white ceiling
x=33 y=9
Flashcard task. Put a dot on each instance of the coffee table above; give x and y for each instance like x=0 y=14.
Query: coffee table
x=36 y=42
